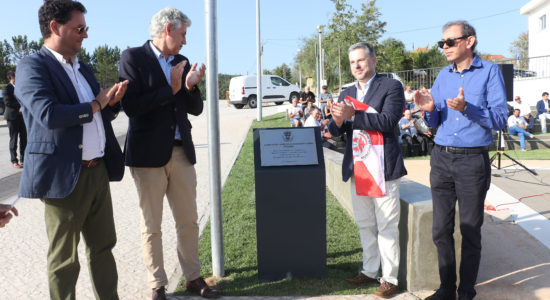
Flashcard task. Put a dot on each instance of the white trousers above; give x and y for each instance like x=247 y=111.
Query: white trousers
x=378 y=218
x=543 y=117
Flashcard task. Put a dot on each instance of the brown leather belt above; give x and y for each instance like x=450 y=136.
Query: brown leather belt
x=91 y=163
x=178 y=143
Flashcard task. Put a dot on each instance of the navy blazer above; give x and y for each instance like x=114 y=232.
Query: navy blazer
x=54 y=117
x=12 y=105
x=540 y=107
x=154 y=111
x=387 y=97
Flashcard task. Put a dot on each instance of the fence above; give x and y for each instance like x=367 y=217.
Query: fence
x=524 y=69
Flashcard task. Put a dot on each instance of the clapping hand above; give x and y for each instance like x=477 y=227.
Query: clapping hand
x=5 y=214
x=457 y=103
x=194 y=76
x=424 y=100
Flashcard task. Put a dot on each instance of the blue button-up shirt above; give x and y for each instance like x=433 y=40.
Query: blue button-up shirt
x=166 y=66
x=485 y=94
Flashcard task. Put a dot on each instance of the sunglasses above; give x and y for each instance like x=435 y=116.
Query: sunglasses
x=450 y=42
x=82 y=29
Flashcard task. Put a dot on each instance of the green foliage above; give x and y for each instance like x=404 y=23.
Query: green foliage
x=105 y=61
x=22 y=47
x=391 y=56
x=5 y=60
x=285 y=72
x=84 y=56
x=432 y=58
x=521 y=45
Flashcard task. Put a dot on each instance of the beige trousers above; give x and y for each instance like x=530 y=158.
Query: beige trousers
x=378 y=218
x=178 y=181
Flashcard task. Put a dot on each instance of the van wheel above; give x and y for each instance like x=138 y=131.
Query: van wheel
x=279 y=103
x=238 y=106
x=252 y=102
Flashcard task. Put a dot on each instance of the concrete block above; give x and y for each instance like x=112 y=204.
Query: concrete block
x=418 y=267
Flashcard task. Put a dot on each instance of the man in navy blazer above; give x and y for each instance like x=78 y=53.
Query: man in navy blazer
x=72 y=152
x=16 y=125
x=159 y=149
x=377 y=217
x=543 y=111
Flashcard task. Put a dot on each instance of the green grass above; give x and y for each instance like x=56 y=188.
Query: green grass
x=239 y=230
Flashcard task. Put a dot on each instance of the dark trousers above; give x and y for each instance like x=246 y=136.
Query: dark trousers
x=17 y=130
x=88 y=209
x=419 y=139
x=466 y=178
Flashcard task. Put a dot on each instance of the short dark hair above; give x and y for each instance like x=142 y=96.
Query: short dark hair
x=324 y=87
x=467 y=30
x=10 y=74
x=545 y=94
x=59 y=11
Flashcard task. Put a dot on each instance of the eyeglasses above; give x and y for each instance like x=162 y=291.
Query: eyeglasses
x=450 y=42
x=82 y=29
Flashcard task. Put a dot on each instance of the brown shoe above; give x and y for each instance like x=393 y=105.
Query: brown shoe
x=159 y=293
x=199 y=286
x=386 y=290
x=361 y=279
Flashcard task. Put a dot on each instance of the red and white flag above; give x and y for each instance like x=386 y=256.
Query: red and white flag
x=368 y=157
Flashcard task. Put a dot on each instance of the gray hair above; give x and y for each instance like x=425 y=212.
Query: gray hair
x=467 y=29
x=369 y=49
x=163 y=17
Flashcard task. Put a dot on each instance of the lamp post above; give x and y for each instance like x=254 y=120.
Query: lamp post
x=299 y=69
x=320 y=53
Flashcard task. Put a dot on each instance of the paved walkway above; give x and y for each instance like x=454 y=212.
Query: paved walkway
x=23 y=243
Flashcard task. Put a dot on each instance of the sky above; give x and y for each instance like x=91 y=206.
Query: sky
x=284 y=24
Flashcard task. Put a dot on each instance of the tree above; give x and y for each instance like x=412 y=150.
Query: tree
x=346 y=27
x=104 y=63
x=84 y=56
x=5 y=60
x=429 y=59
x=284 y=71
x=391 y=56
x=22 y=47
x=521 y=47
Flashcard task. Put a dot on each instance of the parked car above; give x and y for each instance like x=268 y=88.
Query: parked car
x=243 y=90
x=524 y=73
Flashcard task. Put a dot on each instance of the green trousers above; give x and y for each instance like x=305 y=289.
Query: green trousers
x=87 y=210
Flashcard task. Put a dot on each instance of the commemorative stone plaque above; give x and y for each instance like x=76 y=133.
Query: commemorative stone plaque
x=290 y=203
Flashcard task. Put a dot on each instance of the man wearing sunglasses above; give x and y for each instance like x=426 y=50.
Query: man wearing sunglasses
x=467 y=102
x=72 y=152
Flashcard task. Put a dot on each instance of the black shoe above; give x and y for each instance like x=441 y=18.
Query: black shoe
x=159 y=293
x=437 y=296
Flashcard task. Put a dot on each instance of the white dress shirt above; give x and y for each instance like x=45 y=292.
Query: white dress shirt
x=93 y=139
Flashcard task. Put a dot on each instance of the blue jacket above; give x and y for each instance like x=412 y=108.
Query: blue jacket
x=386 y=96
x=54 y=117
x=540 y=108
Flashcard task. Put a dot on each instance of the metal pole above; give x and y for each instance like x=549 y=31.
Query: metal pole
x=214 y=138
x=339 y=70
x=317 y=75
x=299 y=69
x=259 y=63
x=319 y=64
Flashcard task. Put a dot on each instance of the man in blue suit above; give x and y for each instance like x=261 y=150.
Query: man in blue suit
x=159 y=149
x=377 y=217
x=72 y=152
x=543 y=111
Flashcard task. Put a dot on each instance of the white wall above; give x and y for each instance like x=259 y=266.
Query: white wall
x=530 y=90
x=539 y=44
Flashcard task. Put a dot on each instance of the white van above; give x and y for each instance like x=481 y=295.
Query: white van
x=242 y=90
